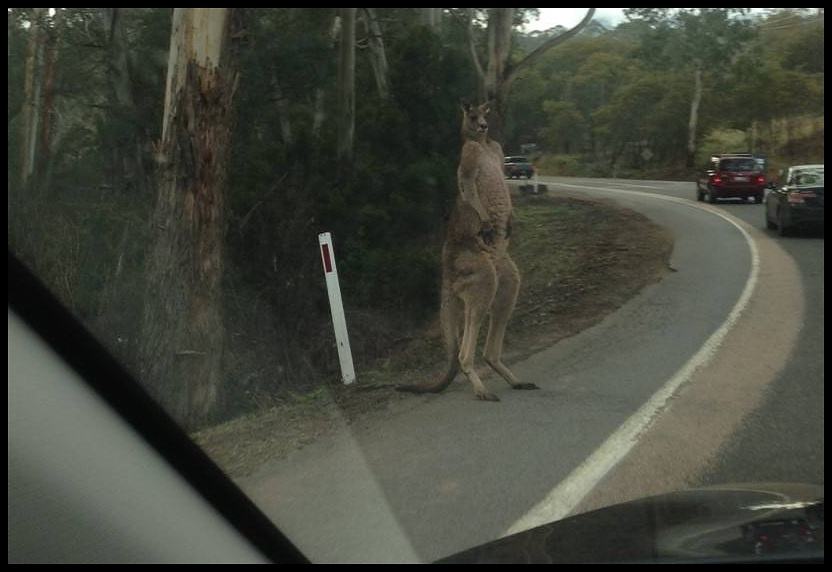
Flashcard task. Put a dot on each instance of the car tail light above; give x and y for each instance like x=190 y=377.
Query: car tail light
x=761 y=180
x=716 y=179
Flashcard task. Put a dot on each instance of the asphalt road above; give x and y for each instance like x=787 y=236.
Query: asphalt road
x=782 y=440
x=713 y=375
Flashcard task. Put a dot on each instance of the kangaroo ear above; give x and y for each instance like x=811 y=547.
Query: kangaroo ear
x=466 y=106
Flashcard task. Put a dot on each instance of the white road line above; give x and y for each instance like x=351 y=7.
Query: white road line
x=640 y=186
x=662 y=187
x=563 y=499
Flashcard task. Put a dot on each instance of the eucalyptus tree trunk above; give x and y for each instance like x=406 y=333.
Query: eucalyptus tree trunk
x=50 y=58
x=183 y=332
x=694 y=114
x=498 y=75
x=346 y=90
x=475 y=58
x=378 y=55
x=51 y=132
x=319 y=114
x=282 y=104
x=32 y=102
x=431 y=17
x=500 y=22
x=123 y=101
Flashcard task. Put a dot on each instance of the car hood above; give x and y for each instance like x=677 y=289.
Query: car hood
x=727 y=523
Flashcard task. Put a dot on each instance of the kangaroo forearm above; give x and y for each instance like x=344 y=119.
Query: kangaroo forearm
x=470 y=194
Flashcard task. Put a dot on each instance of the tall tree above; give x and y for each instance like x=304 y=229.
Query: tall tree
x=346 y=89
x=499 y=73
x=705 y=41
x=32 y=89
x=432 y=18
x=378 y=55
x=319 y=112
x=49 y=72
x=122 y=98
x=183 y=333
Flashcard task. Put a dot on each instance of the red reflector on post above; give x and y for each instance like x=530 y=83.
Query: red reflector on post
x=327 y=259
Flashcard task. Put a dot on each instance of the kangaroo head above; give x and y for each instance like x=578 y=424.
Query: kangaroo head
x=474 y=120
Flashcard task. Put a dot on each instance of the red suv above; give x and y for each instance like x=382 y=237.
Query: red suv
x=732 y=176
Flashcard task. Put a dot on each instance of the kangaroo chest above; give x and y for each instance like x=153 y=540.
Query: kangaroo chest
x=492 y=189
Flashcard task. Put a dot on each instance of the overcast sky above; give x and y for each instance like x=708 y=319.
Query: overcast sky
x=568 y=17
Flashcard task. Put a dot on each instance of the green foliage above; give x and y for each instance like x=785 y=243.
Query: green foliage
x=566 y=126
x=621 y=100
x=561 y=165
x=721 y=141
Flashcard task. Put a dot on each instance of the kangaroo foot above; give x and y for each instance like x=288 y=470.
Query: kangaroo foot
x=485 y=396
x=524 y=386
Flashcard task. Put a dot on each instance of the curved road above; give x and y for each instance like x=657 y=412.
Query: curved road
x=713 y=375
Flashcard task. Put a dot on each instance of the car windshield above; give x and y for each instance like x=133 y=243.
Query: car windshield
x=293 y=227
x=738 y=165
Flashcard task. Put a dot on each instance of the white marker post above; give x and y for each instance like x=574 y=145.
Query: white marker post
x=336 y=307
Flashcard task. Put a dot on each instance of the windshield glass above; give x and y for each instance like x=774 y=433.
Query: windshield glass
x=809 y=178
x=738 y=165
x=297 y=229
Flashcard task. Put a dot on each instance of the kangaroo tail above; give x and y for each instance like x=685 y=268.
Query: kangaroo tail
x=436 y=386
x=449 y=317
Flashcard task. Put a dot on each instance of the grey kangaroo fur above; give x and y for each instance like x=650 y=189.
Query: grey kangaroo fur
x=479 y=278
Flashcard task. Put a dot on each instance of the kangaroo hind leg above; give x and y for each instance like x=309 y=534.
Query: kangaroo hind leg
x=477 y=296
x=508 y=285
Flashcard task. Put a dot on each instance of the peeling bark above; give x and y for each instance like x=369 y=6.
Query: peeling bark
x=183 y=332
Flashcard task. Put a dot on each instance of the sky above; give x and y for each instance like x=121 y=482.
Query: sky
x=568 y=17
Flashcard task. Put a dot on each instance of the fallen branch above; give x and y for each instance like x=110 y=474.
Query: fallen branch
x=271 y=193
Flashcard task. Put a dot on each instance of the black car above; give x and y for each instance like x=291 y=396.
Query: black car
x=797 y=200
x=732 y=176
x=749 y=522
x=517 y=166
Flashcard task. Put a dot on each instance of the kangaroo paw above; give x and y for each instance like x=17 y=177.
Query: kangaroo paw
x=487 y=397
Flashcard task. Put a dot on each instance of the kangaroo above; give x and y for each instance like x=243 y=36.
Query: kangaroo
x=478 y=275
